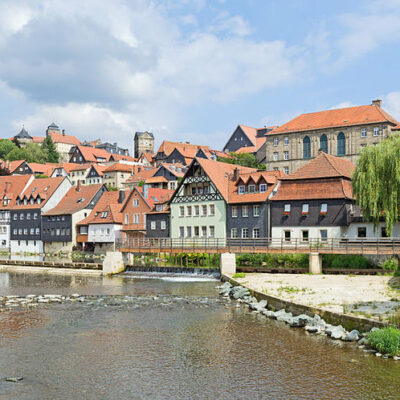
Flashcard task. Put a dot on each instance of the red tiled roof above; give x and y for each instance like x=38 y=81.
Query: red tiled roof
x=37 y=139
x=10 y=187
x=67 y=139
x=186 y=149
x=76 y=199
x=119 y=167
x=43 y=187
x=148 y=157
x=99 y=168
x=119 y=157
x=323 y=166
x=156 y=179
x=341 y=117
x=396 y=128
x=245 y=150
x=142 y=175
x=92 y=154
x=13 y=165
x=81 y=167
x=173 y=168
x=68 y=167
x=45 y=169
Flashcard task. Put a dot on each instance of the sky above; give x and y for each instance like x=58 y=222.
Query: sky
x=190 y=70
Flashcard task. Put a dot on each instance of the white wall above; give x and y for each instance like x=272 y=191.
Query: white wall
x=352 y=231
x=334 y=232
x=98 y=233
x=30 y=246
x=58 y=194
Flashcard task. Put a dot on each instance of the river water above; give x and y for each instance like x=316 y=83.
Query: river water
x=173 y=338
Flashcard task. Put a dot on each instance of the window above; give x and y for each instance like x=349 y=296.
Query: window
x=364 y=132
x=63 y=231
x=341 y=144
x=126 y=219
x=58 y=231
x=135 y=203
x=376 y=131
x=286 y=209
x=324 y=208
x=241 y=189
x=136 y=218
x=245 y=211
x=15 y=217
x=304 y=209
x=263 y=188
x=276 y=142
x=181 y=211
x=275 y=156
x=32 y=231
x=37 y=231
x=196 y=211
x=193 y=190
x=287 y=236
x=304 y=236
x=245 y=233
x=234 y=211
x=306 y=147
x=21 y=217
x=68 y=232
x=28 y=216
x=189 y=211
x=252 y=188
x=35 y=216
x=234 y=233
x=383 y=232
x=204 y=231
x=286 y=140
x=25 y=231
x=323 y=143
x=104 y=214
x=19 y=231
x=15 y=231
x=204 y=210
x=163 y=225
x=286 y=155
x=200 y=190
x=256 y=233
x=211 y=230
x=212 y=210
x=181 y=231
x=83 y=230
x=189 y=231
x=196 y=231
x=256 y=210
x=286 y=170
x=323 y=235
x=362 y=232
x=153 y=225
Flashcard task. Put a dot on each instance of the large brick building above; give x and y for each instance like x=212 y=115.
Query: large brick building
x=340 y=132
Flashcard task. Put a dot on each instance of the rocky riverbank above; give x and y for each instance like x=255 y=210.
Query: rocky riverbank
x=314 y=325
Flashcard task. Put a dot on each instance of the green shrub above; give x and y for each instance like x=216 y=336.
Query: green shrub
x=345 y=261
x=239 y=275
x=391 y=264
x=385 y=340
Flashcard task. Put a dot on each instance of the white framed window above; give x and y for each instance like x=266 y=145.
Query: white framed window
x=286 y=236
x=304 y=235
x=363 y=132
x=286 y=141
x=245 y=233
x=276 y=142
x=196 y=231
x=286 y=170
x=204 y=231
x=241 y=189
x=212 y=210
x=104 y=214
x=286 y=155
x=275 y=155
x=181 y=231
x=136 y=218
x=256 y=210
x=245 y=211
x=126 y=219
x=189 y=231
x=324 y=207
x=252 y=188
x=323 y=235
x=189 y=211
x=286 y=209
x=37 y=231
x=196 y=211
x=204 y=210
x=25 y=231
x=263 y=188
x=234 y=211
x=153 y=225
x=35 y=216
x=304 y=208
x=211 y=231
x=234 y=233
x=135 y=203
x=181 y=211
x=163 y=225
x=256 y=233
x=376 y=131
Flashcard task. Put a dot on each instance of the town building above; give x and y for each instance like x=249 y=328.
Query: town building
x=18 y=167
x=248 y=214
x=141 y=201
x=116 y=175
x=95 y=174
x=158 y=220
x=143 y=142
x=170 y=175
x=86 y=154
x=113 y=148
x=340 y=132
x=23 y=137
x=79 y=173
x=62 y=142
x=140 y=175
x=198 y=206
x=146 y=159
x=63 y=169
x=59 y=223
x=10 y=188
x=38 y=197
x=42 y=169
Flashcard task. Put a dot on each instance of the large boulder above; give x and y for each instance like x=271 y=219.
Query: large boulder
x=269 y=313
x=225 y=289
x=282 y=315
x=240 y=293
x=337 y=332
x=258 y=306
x=301 y=321
x=352 y=336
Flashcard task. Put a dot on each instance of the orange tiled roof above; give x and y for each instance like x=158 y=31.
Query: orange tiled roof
x=119 y=157
x=68 y=167
x=81 y=167
x=173 y=168
x=245 y=150
x=37 y=139
x=117 y=167
x=396 y=128
x=13 y=165
x=67 y=139
x=44 y=187
x=186 y=149
x=99 y=168
x=10 y=187
x=143 y=175
x=341 y=117
x=92 y=154
x=45 y=169
x=156 y=179
x=148 y=157
x=76 y=199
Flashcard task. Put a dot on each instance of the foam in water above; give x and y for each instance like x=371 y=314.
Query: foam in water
x=171 y=278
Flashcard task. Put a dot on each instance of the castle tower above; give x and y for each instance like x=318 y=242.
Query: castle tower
x=143 y=143
x=52 y=128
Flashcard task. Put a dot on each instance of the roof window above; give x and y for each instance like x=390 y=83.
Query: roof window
x=104 y=214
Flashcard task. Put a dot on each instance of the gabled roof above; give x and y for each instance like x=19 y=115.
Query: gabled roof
x=57 y=137
x=117 y=167
x=323 y=166
x=81 y=167
x=176 y=169
x=119 y=157
x=142 y=175
x=92 y=154
x=155 y=195
x=340 y=117
x=250 y=132
x=186 y=149
x=99 y=168
x=148 y=157
x=45 y=169
x=43 y=187
x=14 y=165
x=10 y=187
x=68 y=167
x=76 y=199
x=108 y=203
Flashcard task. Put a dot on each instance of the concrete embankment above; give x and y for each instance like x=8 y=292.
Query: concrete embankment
x=49 y=270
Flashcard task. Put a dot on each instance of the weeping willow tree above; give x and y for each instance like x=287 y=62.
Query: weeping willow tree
x=376 y=182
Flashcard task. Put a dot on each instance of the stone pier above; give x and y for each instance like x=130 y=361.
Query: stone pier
x=228 y=264
x=315 y=263
x=113 y=263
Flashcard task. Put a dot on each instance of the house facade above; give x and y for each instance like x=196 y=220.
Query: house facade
x=116 y=175
x=62 y=142
x=86 y=154
x=113 y=148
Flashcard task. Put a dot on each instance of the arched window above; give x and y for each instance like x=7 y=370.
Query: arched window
x=306 y=147
x=323 y=143
x=341 y=144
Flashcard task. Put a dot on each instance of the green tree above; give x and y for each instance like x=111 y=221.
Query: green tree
x=376 y=182
x=52 y=154
x=32 y=152
x=244 y=159
x=6 y=146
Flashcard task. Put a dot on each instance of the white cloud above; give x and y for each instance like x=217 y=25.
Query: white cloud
x=343 y=104
x=391 y=103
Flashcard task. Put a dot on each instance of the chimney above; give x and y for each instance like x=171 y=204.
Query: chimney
x=236 y=174
x=78 y=186
x=7 y=186
x=145 y=191
x=121 y=196
x=377 y=103
x=63 y=132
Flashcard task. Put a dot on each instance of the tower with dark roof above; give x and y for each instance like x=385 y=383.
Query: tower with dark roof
x=143 y=143
x=23 y=136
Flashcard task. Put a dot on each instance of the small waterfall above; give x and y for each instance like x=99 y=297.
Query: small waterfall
x=211 y=272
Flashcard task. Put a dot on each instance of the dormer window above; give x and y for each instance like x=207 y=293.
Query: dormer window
x=46 y=189
x=159 y=207
x=252 y=188
x=304 y=209
x=25 y=201
x=286 y=209
x=32 y=201
x=263 y=188
x=324 y=209
x=38 y=200
x=104 y=214
x=241 y=189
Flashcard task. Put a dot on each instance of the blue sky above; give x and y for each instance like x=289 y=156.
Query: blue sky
x=191 y=70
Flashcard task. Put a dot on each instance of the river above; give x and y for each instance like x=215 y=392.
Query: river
x=177 y=339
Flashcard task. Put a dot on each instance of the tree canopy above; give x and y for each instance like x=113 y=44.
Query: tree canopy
x=52 y=154
x=245 y=160
x=376 y=182
x=6 y=146
x=32 y=152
